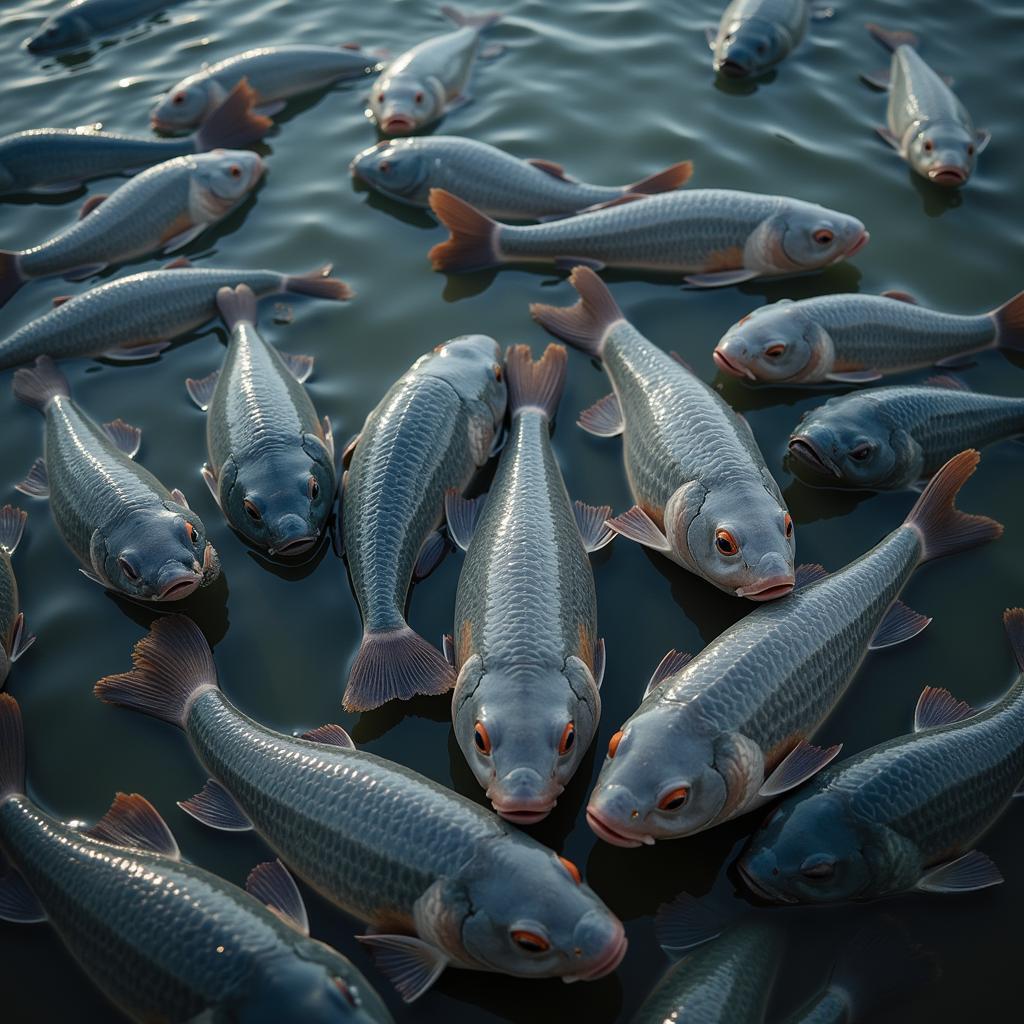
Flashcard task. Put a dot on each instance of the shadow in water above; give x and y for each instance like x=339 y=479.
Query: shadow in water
x=374 y=724
x=810 y=504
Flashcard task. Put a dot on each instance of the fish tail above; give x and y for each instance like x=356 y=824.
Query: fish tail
x=11 y=277
x=319 y=284
x=536 y=385
x=890 y=38
x=395 y=664
x=1009 y=320
x=237 y=305
x=664 y=181
x=170 y=666
x=12 y=747
x=233 y=124
x=40 y=384
x=944 y=529
x=12 y=524
x=585 y=324
x=474 y=236
x=480 y=21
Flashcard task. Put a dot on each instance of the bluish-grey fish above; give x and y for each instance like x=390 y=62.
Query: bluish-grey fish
x=905 y=814
x=15 y=640
x=271 y=467
x=137 y=317
x=525 y=646
x=855 y=339
x=711 y=236
x=165 y=940
x=162 y=209
x=493 y=181
x=723 y=733
x=755 y=35
x=704 y=496
x=78 y=21
x=440 y=880
x=432 y=431
x=130 y=532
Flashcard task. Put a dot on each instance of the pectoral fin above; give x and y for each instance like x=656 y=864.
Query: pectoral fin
x=981 y=139
x=300 y=367
x=800 y=764
x=637 y=525
x=214 y=806
x=210 y=479
x=18 y=903
x=603 y=418
x=135 y=353
x=889 y=137
x=411 y=964
x=684 y=924
x=463 y=515
x=721 y=278
x=854 y=376
x=201 y=389
x=431 y=555
x=182 y=239
x=937 y=707
x=672 y=663
x=37 y=483
x=968 y=873
x=21 y=639
x=900 y=623
x=125 y=438
x=591 y=520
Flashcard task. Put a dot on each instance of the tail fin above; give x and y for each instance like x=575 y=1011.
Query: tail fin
x=474 y=236
x=584 y=325
x=944 y=529
x=664 y=181
x=319 y=284
x=480 y=21
x=237 y=305
x=891 y=39
x=12 y=524
x=40 y=384
x=12 y=747
x=233 y=124
x=1009 y=318
x=11 y=278
x=395 y=664
x=170 y=667
x=538 y=384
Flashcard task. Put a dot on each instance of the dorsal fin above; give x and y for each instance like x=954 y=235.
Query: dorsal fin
x=550 y=167
x=271 y=883
x=808 y=573
x=668 y=666
x=937 y=707
x=133 y=821
x=330 y=735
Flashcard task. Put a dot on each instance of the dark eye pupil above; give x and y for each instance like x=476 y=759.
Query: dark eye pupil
x=674 y=805
x=531 y=947
x=479 y=740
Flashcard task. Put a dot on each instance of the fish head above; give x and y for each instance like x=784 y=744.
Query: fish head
x=804 y=236
x=943 y=152
x=398 y=168
x=749 y=47
x=524 y=760
x=185 y=106
x=775 y=344
x=220 y=180
x=529 y=914
x=57 y=33
x=404 y=103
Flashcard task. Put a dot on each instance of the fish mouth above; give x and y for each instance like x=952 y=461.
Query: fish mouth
x=769 y=589
x=522 y=815
x=180 y=587
x=732 y=68
x=298 y=546
x=862 y=239
x=398 y=125
x=723 y=362
x=947 y=176
x=258 y=170
x=805 y=451
x=606 y=964
x=164 y=126
x=759 y=890
x=604 y=831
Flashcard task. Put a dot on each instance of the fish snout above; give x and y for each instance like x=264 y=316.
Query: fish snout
x=773 y=578
x=858 y=243
x=757 y=870
x=733 y=65
x=523 y=796
x=612 y=814
x=259 y=168
x=601 y=939
x=947 y=175
x=397 y=124
x=730 y=366
x=291 y=536
x=176 y=582
x=804 y=450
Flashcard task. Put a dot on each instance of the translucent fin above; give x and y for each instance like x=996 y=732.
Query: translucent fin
x=125 y=437
x=968 y=873
x=37 y=483
x=899 y=624
x=800 y=764
x=271 y=883
x=462 y=514
x=591 y=520
x=134 y=822
x=603 y=418
x=214 y=806
x=672 y=663
x=638 y=526
x=937 y=707
x=201 y=390
x=330 y=735
x=410 y=964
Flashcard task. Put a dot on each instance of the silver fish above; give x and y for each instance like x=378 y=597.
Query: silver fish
x=712 y=237
x=440 y=880
x=187 y=945
x=494 y=181
x=15 y=640
x=131 y=533
x=704 y=496
x=161 y=209
x=421 y=85
x=529 y=661
x=432 y=431
x=855 y=339
x=904 y=814
x=755 y=35
x=78 y=21
x=719 y=735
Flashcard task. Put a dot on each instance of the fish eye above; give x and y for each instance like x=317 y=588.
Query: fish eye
x=774 y=351
x=760 y=48
x=384 y=166
x=252 y=511
x=675 y=799
x=572 y=869
x=347 y=992
x=565 y=744
x=313 y=487
x=380 y=97
x=482 y=739
x=970 y=149
x=789 y=525
x=178 y=98
x=531 y=942
x=726 y=543
x=193 y=533
x=613 y=744
x=818 y=867
x=497 y=372
x=861 y=452
x=235 y=171
x=928 y=145
x=419 y=97
x=127 y=568
x=823 y=236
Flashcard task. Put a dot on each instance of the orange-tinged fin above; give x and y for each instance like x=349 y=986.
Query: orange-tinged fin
x=319 y=284
x=480 y=21
x=891 y=39
x=124 y=436
x=550 y=167
x=237 y=306
x=585 y=324
x=937 y=707
x=1009 y=318
x=215 y=807
x=395 y=664
x=133 y=821
x=12 y=525
x=38 y=385
x=1013 y=622
x=947 y=382
x=535 y=385
x=472 y=244
x=899 y=623
x=330 y=735
x=11 y=278
x=663 y=181
x=91 y=204
x=12 y=747
x=803 y=762
x=170 y=665
x=233 y=124
x=808 y=573
x=944 y=529
x=272 y=884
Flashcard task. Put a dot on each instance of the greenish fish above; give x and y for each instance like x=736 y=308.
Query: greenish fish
x=15 y=640
x=755 y=35
x=78 y=21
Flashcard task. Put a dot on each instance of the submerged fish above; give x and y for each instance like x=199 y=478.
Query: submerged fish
x=723 y=733
x=704 y=496
x=53 y=160
x=888 y=438
x=926 y=123
x=494 y=181
x=855 y=339
x=137 y=317
x=440 y=880
x=163 y=939
x=755 y=35
x=712 y=236
x=421 y=85
x=162 y=209
x=271 y=467
x=432 y=431
x=15 y=640
x=525 y=646
x=905 y=814
x=131 y=533
x=276 y=74
x=78 y=21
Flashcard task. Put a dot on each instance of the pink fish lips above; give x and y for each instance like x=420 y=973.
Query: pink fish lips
x=397 y=124
x=603 y=830
x=858 y=244
x=614 y=955
x=767 y=590
x=947 y=176
x=723 y=362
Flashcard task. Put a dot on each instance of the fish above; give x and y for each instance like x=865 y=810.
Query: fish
x=137 y=317
x=275 y=73
x=440 y=880
x=717 y=735
x=904 y=815
x=704 y=497
x=131 y=534
x=432 y=431
x=271 y=465
x=15 y=639
x=857 y=339
x=78 y=21
x=423 y=84
x=495 y=182
x=894 y=437
x=925 y=121
x=159 y=210
x=161 y=938
x=47 y=161
x=525 y=646
x=755 y=35
x=712 y=237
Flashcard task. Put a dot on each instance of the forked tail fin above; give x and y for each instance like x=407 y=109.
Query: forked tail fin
x=585 y=324
x=664 y=181
x=535 y=384
x=233 y=124
x=319 y=284
x=473 y=241
x=237 y=305
x=38 y=385
x=1009 y=318
x=891 y=39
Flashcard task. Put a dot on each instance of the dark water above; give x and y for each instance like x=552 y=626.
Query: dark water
x=614 y=89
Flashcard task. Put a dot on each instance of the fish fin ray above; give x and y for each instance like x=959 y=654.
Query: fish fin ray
x=410 y=964
x=684 y=923
x=39 y=384
x=968 y=873
x=18 y=904
x=272 y=884
x=463 y=515
x=201 y=389
x=808 y=573
x=37 y=483
x=603 y=418
x=300 y=367
x=472 y=244
x=672 y=663
x=802 y=763
x=900 y=623
x=550 y=167
x=330 y=735
x=666 y=180
x=21 y=639
x=535 y=383
x=721 y=278
x=591 y=521
x=937 y=707
x=431 y=555
x=637 y=525
x=395 y=664
x=125 y=438
x=215 y=807
x=236 y=122
x=12 y=526
x=134 y=822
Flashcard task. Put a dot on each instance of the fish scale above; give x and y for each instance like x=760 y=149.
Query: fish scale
x=918 y=96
